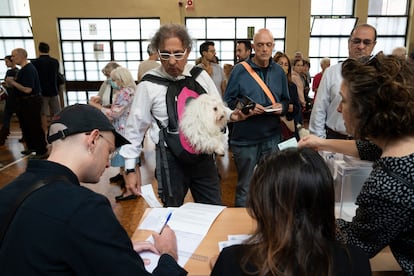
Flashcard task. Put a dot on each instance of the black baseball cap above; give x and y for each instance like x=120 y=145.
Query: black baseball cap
x=79 y=118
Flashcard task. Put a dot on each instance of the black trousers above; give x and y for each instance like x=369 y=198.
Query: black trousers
x=29 y=108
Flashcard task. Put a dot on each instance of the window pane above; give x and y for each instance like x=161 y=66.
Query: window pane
x=97 y=50
x=242 y=25
x=387 y=7
x=132 y=67
x=72 y=51
x=328 y=47
x=7 y=46
x=15 y=27
x=387 y=44
x=389 y=25
x=332 y=26
x=277 y=27
x=95 y=29
x=196 y=28
x=15 y=8
x=279 y=45
x=226 y=51
x=76 y=97
x=93 y=70
x=220 y=28
x=125 y=28
x=129 y=50
x=149 y=27
x=69 y=29
x=74 y=71
x=332 y=7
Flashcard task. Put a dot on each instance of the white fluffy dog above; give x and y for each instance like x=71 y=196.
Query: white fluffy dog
x=203 y=122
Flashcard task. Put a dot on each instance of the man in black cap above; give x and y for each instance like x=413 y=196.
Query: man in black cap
x=49 y=224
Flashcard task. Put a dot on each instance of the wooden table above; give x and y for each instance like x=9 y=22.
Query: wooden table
x=233 y=221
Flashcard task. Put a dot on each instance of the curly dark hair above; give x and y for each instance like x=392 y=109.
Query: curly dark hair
x=171 y=30
x=381 y=92
x=292 y=199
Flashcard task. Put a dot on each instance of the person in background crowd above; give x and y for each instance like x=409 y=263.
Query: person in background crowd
x=243 y=50
x=400 y=51
x=260 y=133
x=105 y=94
x=10 y=106
x=29 y=103
x=325 y=120
x=48 y=69
x=73 y=230
x=295 y=110
x=124 y=85
x=150 y=63
x=210 y=64
x=292 y=199
x=297 y=69
x=325 y=63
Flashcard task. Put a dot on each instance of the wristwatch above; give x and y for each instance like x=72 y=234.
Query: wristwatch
x=127 y=171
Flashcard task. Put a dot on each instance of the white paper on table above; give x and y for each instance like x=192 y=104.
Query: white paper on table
x=187 y=243
x=195 y=218
x=148 y=194
x=190 y=223
x=155 y=219
x=290 y=143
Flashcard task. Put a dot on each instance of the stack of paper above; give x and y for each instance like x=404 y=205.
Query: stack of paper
x=190 y=223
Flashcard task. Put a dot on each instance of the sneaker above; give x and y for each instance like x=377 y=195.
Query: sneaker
x=116 y=178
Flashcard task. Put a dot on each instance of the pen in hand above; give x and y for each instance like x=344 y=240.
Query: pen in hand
x=166 y=221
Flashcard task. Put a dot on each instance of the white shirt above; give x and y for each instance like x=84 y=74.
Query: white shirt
x=150 y=102
x=324 y=111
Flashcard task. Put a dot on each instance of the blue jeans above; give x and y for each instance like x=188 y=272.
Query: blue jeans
x=246 y=159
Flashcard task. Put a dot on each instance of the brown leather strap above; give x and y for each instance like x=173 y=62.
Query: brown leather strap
x=256 y=77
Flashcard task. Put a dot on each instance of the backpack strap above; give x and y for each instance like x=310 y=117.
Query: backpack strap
x=156 y=79
x=21 y=198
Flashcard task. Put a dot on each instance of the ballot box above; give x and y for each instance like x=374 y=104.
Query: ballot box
x=349 y=175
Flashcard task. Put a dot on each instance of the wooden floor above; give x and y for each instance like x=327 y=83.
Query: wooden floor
x=129 y=213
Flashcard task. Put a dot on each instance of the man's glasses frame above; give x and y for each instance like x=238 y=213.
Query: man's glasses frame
x=176 y=56
x=366 y=42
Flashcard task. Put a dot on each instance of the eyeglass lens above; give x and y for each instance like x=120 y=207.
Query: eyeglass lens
x=357 y=41
x=176 y=56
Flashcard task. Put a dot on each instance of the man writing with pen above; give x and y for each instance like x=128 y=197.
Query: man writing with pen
x=73 y=230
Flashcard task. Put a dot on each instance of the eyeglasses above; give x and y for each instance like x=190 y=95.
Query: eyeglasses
x=372 y=60
x=112 y=151
x=176 y=56
x=357 y=41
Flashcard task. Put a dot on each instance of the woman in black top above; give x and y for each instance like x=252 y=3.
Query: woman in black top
x=291 y=197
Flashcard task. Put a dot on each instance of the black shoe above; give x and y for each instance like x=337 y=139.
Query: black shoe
x=124 y=198
x=116 y=178
x=26 y=152
x=21 y=140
